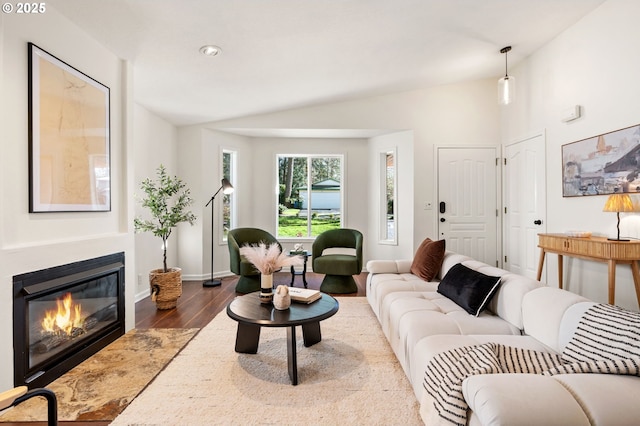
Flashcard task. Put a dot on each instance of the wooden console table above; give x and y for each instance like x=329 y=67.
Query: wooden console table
x=598 y=249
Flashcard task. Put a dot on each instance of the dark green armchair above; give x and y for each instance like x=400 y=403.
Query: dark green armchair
x=338 y=254
x=249 y=280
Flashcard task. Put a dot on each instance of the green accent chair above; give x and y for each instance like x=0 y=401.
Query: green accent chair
x=249 y=280
x=338 y=254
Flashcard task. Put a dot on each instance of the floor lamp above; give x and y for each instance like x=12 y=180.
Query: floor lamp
x=226 y=188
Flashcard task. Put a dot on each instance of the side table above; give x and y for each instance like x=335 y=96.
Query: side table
x=305 y=255
x=598 y=249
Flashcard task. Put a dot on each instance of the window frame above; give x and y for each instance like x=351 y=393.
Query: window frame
x=233 y=217
x=383 y=221
x=309 y=158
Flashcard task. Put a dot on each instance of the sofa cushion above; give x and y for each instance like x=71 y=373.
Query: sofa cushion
x=605 y=397
x=471 y=290
x=450 y=260
x=569 y=323
x=543 y=312
x=605 y=332
x=425 y=349
x=381 y=285
x=429 y=313
x=519 y=399
x=428 y=259
x=507 y=302
x=401 y=266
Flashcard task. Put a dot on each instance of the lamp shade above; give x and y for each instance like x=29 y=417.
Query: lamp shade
x=506 y=90
x=227 y=188
x=619 y=203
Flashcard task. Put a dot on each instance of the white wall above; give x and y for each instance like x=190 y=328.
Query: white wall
x=154 y=143
x=31 y=242
x=200 y=161
x=459 y=114
x=593 y=64
x=200 y=165
x=402 y=143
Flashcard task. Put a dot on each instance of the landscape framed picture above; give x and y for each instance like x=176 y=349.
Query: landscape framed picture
x=69 y=137
x=603 y=164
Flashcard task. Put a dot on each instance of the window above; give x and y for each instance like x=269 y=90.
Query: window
x=309 y=194
x=388 y=197
x=228 y=200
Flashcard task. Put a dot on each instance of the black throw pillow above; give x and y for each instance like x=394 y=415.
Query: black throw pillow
x=469 y=289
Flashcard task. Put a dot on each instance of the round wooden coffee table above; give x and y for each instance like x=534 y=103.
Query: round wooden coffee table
x=252 y=315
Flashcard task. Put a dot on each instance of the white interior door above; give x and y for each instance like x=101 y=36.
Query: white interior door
x=467 y=201
x=524 y=204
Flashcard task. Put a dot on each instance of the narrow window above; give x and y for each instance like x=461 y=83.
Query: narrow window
x=388 y=194
x=228 y=216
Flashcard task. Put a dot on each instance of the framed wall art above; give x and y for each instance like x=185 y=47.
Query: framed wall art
x=604 y=164
x=69 y=138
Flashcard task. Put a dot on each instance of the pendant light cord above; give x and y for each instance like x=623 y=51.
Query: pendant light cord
x=505 y=50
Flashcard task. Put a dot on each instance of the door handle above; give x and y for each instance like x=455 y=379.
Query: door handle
x=442 y=207
x=537 y=222
x=442 y=219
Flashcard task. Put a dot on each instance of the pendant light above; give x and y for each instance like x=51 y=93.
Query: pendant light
x=507 y=84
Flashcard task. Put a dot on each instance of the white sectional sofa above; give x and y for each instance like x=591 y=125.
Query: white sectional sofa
x=419 y=323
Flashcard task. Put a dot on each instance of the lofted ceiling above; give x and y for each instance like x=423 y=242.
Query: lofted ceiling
x=280 y=54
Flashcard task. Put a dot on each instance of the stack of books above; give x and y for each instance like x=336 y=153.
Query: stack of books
x=304 y=295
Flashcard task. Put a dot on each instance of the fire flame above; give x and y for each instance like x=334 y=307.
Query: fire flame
x=65 y=318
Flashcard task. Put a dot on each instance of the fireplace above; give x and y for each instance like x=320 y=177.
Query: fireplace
x=65 y=314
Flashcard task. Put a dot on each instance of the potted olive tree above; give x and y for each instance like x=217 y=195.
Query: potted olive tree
x=167 y=199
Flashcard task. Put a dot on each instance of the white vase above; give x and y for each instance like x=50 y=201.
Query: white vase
x=266 y=288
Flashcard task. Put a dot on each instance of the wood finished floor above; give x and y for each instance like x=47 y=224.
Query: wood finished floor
x=197 y=306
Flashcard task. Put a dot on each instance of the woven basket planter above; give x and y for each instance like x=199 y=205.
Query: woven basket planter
x=166 y=287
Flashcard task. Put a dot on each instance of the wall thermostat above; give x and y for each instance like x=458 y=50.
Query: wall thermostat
x=571 y=113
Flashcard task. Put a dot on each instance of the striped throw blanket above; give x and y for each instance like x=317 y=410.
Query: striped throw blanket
x=607 y=341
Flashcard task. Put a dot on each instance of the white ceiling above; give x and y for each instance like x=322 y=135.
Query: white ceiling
x=280 y=54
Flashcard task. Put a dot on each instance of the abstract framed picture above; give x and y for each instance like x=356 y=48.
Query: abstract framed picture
x=604 y=164
x=69 y=138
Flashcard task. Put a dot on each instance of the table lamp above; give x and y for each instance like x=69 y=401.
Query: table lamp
x=619 y=203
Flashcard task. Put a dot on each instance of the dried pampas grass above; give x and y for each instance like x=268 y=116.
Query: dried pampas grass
x=268 y=259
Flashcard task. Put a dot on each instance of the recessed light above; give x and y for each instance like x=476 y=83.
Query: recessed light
x=210 y=50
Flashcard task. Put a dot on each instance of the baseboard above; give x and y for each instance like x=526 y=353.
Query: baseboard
x=142 y=295
x=202 y=277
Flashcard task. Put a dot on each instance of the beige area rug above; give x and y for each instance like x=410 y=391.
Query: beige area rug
x=103 y=385
x=351 y=377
